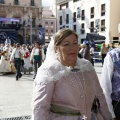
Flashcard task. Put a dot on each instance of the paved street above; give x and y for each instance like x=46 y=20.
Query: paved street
x=15 y=96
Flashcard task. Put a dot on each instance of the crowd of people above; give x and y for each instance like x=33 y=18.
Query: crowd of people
x=87 y=51
x=16 y=58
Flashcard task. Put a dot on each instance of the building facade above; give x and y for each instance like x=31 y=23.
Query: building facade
x=89 y=16
x=28 y=11
x=49 y=23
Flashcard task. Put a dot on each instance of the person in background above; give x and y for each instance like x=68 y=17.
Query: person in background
x=16 y=58
x=111 y=47
x=65 y=86
x=36 y=57
x=92 y=53
x=103 y=51
x=81 y=51
x=26 y=57
x=4 y=61
x=110 y=81
x=86 y=54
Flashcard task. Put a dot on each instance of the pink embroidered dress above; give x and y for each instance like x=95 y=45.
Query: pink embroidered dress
x=61 y=86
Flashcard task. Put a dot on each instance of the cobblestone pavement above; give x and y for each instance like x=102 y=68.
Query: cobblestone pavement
x=15 y=96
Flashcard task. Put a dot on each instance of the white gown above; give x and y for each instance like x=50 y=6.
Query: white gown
x=5 y=64
x=27 y=63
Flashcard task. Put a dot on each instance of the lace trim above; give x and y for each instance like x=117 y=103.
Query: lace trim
x=56 y=71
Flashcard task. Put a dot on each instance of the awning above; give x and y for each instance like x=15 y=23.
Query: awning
x=95 y=37
x=10 y=19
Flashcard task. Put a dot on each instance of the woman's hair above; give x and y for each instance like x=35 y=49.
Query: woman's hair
x=23 y=45
x=36 y=42
x=62 y=34
x=17 y=45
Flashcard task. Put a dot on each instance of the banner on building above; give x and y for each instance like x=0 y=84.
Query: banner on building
x=41 y=35
x=10 y=34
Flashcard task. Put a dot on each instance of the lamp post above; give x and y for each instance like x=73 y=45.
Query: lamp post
x=31 y=28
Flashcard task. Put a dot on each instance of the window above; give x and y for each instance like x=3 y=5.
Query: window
x=75 y=0
x=82 y=40
x=92 y=12
x=92 y=27
x=74 y=27
x=2 y=1
x=103 y=10
x=51 y=23
x=60 y=20
x=103 y=25
x=82 y=28
x=32 y=3
x=63 y=6
x=67 y=18
x=16 y=2
x=78 y=12
x=83 y=15
x=33 y=22
x=46 y=30
x=74 y=17
x=46 y=23
x=51 y=30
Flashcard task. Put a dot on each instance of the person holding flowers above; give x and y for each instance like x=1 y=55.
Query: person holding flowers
x=4 y=61
x=26 y=58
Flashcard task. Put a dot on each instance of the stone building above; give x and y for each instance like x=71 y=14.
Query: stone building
x=49 y=23
x=24 y=10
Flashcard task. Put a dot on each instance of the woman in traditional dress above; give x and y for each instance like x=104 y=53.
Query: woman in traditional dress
x=36 y=57
x=26 y=57
x=5 y=65
x=65 y=86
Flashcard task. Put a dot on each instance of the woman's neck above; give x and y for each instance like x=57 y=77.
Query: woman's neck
x=68 y=64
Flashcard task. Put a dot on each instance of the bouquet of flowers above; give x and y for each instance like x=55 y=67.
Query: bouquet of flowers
x=26 y=55
x=2 y=53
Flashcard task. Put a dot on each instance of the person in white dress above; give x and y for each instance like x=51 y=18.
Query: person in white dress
x=5 y=60
x=26 y=57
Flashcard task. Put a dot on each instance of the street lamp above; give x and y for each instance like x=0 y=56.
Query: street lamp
x=31 y=28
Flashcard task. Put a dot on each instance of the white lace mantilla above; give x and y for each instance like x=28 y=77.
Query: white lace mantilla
x=55 y=70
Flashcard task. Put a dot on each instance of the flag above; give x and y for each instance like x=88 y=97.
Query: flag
x=41 y=35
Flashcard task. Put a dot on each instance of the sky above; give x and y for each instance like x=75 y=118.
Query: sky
x=47 y=2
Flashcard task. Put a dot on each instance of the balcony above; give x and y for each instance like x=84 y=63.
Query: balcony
x=60 y=22
x=103 y=13
x=83 y=17
x=92 y=15
x=103 y=28
x=67 y=21
x=82 y=31
x=74 y=19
